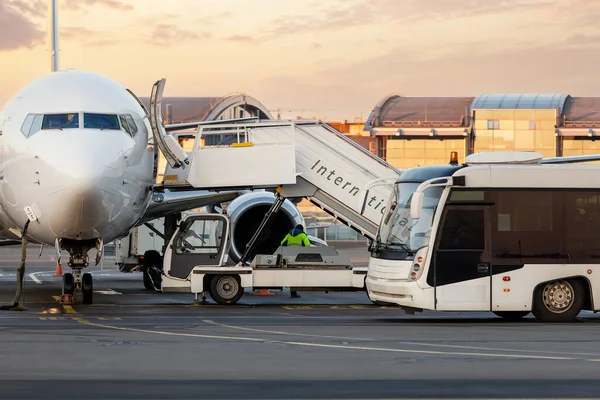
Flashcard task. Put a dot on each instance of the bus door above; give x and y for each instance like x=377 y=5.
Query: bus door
x=462 y=267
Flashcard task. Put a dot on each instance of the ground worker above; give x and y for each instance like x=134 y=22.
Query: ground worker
x=296 y=237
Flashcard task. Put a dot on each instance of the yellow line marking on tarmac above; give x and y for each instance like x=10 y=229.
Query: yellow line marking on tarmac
x=68 y=309
x=329 y=346
x=208 y=321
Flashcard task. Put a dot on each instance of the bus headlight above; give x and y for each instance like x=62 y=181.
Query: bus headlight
x=418 y=264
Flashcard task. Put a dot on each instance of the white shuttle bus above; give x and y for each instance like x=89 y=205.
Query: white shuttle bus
x=507 y=232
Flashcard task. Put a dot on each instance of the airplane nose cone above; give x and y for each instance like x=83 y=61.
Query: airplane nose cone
x=84 y=188
x=99 y=153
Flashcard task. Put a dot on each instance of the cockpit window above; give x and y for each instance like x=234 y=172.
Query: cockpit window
x=132 y=126
x=101 y=121
x=124 y=124
x=60 y=121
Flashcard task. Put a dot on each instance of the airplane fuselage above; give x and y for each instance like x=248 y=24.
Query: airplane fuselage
x=74 y=150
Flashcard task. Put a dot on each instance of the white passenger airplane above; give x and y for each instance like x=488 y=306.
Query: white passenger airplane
x=77 y=168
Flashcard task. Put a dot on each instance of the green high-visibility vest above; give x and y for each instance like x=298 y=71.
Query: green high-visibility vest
x=299 y=240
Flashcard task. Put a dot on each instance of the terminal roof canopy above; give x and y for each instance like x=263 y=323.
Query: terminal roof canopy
x=582 y=112
x=520 y=101
x=193 y=109
x=398 y=111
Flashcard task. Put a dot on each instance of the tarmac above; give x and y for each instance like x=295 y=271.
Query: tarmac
x=137 y=344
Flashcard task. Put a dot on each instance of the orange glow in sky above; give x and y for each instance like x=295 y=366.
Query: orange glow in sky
x=331 y=59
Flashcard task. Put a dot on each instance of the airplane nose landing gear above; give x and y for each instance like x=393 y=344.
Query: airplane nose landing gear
x=76 y=282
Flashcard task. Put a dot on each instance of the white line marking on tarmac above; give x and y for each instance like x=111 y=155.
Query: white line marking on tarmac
x=107 y=291
x=35 y=278
x=454 y=346
x=208 y=321
x=328 y=346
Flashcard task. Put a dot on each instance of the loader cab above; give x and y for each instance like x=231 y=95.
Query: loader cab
x=200 y=240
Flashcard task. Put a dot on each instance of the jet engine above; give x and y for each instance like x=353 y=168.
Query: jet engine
x=246 y=213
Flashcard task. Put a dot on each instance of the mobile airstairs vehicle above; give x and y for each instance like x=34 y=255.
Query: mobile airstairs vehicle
x=294 y=159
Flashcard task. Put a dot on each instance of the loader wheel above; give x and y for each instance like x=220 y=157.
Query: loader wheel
x=147 y=279
x=151 y=269
x=226 y=289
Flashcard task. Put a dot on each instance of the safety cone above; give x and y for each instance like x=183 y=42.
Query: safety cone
x=263 y=292
x=58 y=270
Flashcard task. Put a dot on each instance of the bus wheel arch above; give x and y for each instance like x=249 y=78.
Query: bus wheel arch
x=560 y=300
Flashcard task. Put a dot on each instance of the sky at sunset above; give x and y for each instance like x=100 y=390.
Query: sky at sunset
x=333 y=59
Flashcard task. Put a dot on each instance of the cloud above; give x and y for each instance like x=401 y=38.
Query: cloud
x=81 y=5
x=551 y=68
x=87 y=36
x=583 y=40
x=352 y=13
x=16 y=31
x=168 y=34
x=316 y=46
x=241 y=39
x=34 y=8
x=417 y=9
x=331 y=19
x=101 y=42
x=76 y=32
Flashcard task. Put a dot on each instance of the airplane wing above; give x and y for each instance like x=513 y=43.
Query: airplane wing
x=168 y=202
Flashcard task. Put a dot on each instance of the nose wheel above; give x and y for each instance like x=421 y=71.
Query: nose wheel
x=78 y=282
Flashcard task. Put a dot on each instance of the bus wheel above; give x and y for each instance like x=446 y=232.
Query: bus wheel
x=511 y=315
x=225 y=289
x=558 y=301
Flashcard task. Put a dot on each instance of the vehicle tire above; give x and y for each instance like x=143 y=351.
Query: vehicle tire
x=68 y=283
x=147 y=279
x=511 y=315
x=225 y=289
x=558 y=301
x=87 y=288
x=154 y=274
x=151 y=269
x=151 y=257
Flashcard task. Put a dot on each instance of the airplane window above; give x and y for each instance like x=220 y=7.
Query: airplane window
x=60 y=121
x=101 y=121
x=27 y=124
x=124 y=124
x=132 y=126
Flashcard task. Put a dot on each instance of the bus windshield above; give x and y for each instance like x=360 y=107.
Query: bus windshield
x=398 y=231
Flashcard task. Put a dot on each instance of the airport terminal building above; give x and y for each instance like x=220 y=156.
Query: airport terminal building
x=415 y=131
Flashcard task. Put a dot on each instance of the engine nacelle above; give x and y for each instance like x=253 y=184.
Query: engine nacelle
x=246 y=212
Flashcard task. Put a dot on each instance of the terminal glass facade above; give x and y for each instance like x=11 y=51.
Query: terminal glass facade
x=515 y=129
x=404 y=152
x=580 y=146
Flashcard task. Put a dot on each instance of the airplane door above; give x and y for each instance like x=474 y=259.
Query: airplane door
x=462 y=260
x=203 y=241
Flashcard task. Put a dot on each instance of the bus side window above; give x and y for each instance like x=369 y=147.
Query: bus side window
x=463 y=230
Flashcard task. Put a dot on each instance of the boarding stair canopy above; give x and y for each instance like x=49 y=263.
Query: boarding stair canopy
x=306 y=159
